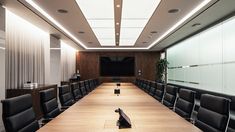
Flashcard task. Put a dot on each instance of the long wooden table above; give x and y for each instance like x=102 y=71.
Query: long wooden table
x=95 y=113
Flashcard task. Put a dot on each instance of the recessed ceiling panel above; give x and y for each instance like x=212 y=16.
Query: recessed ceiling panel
x=96 y=8
x=139 y=8
x=104 y=33
x=135 y=13
x=127 y=41
x=106 y=41
x=101 y=23
x=100 y=16
x=132 y=33
x=126 y=23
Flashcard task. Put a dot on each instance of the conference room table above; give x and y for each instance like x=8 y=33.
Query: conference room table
x=96 y=113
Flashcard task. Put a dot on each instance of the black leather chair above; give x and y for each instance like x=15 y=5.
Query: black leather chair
x=148 y=85
x=49 y=104
x=94 y=82
x=138 y=83
x=170 y=96
x=142 y=84
x=87 y=86
x=76 y=91
x=82 y=88
x=158 y=95
x=97 y=82
x=213 y=114
x=65 y=95
x=92 y=87
x=18 y=114
x=185 y=102
x=152 y=88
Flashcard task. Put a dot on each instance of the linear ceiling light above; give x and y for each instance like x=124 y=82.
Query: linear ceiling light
x=200 y=6
x=135 y=15
x=100 y=16
x=124 y=24
x=44 y=13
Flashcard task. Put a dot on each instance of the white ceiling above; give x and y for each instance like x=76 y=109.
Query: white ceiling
x=160 y=21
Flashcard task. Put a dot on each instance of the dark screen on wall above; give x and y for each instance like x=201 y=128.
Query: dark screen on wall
x=117 y=66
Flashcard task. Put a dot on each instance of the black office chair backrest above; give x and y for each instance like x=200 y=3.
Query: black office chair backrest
x=65 y=95
x=159 y=92
x=18 y=114
x=87 y=86
x=185 y=102
x=152 y=88
x=138 y=82
x=141 y=85
x=91 y=84
x=144 y=85
x=94 y=82
x=76 y=91
x=170 y=96
x=49 y=103
x=148 y=85
x=97 y=82
x=82 y=88
x=213 y=114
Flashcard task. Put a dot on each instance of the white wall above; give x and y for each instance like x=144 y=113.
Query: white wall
x=55 y=61
x=206 y=60
x=68 y=61
x=2 y=62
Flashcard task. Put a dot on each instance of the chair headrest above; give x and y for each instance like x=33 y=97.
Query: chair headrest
x=186 y=94
x=16 y=105
x=215 y=103
x=64 y=89
x=47 y=95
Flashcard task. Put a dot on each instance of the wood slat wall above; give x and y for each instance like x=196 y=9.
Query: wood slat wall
x=88 y=64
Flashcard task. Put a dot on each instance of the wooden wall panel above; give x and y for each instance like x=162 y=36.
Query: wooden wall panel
x=88 y=64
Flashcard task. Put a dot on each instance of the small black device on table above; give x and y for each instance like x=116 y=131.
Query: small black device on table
x=117 y=90
x=123 y=121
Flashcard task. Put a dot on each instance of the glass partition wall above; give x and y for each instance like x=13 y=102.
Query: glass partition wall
x=206 y=60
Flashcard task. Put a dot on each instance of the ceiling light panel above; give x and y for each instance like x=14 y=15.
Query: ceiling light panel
x=134 y=23
x=127 y=41
x=101 y=23
x=106 y=41
x=135 y=15
x=104 y=33
x=100 y=16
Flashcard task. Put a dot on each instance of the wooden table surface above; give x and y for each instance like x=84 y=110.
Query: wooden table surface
x=95 y=113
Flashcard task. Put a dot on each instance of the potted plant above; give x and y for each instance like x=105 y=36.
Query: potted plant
x=161 y=67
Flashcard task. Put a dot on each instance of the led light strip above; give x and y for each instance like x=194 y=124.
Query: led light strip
x=205 y=2
x=38 y=8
